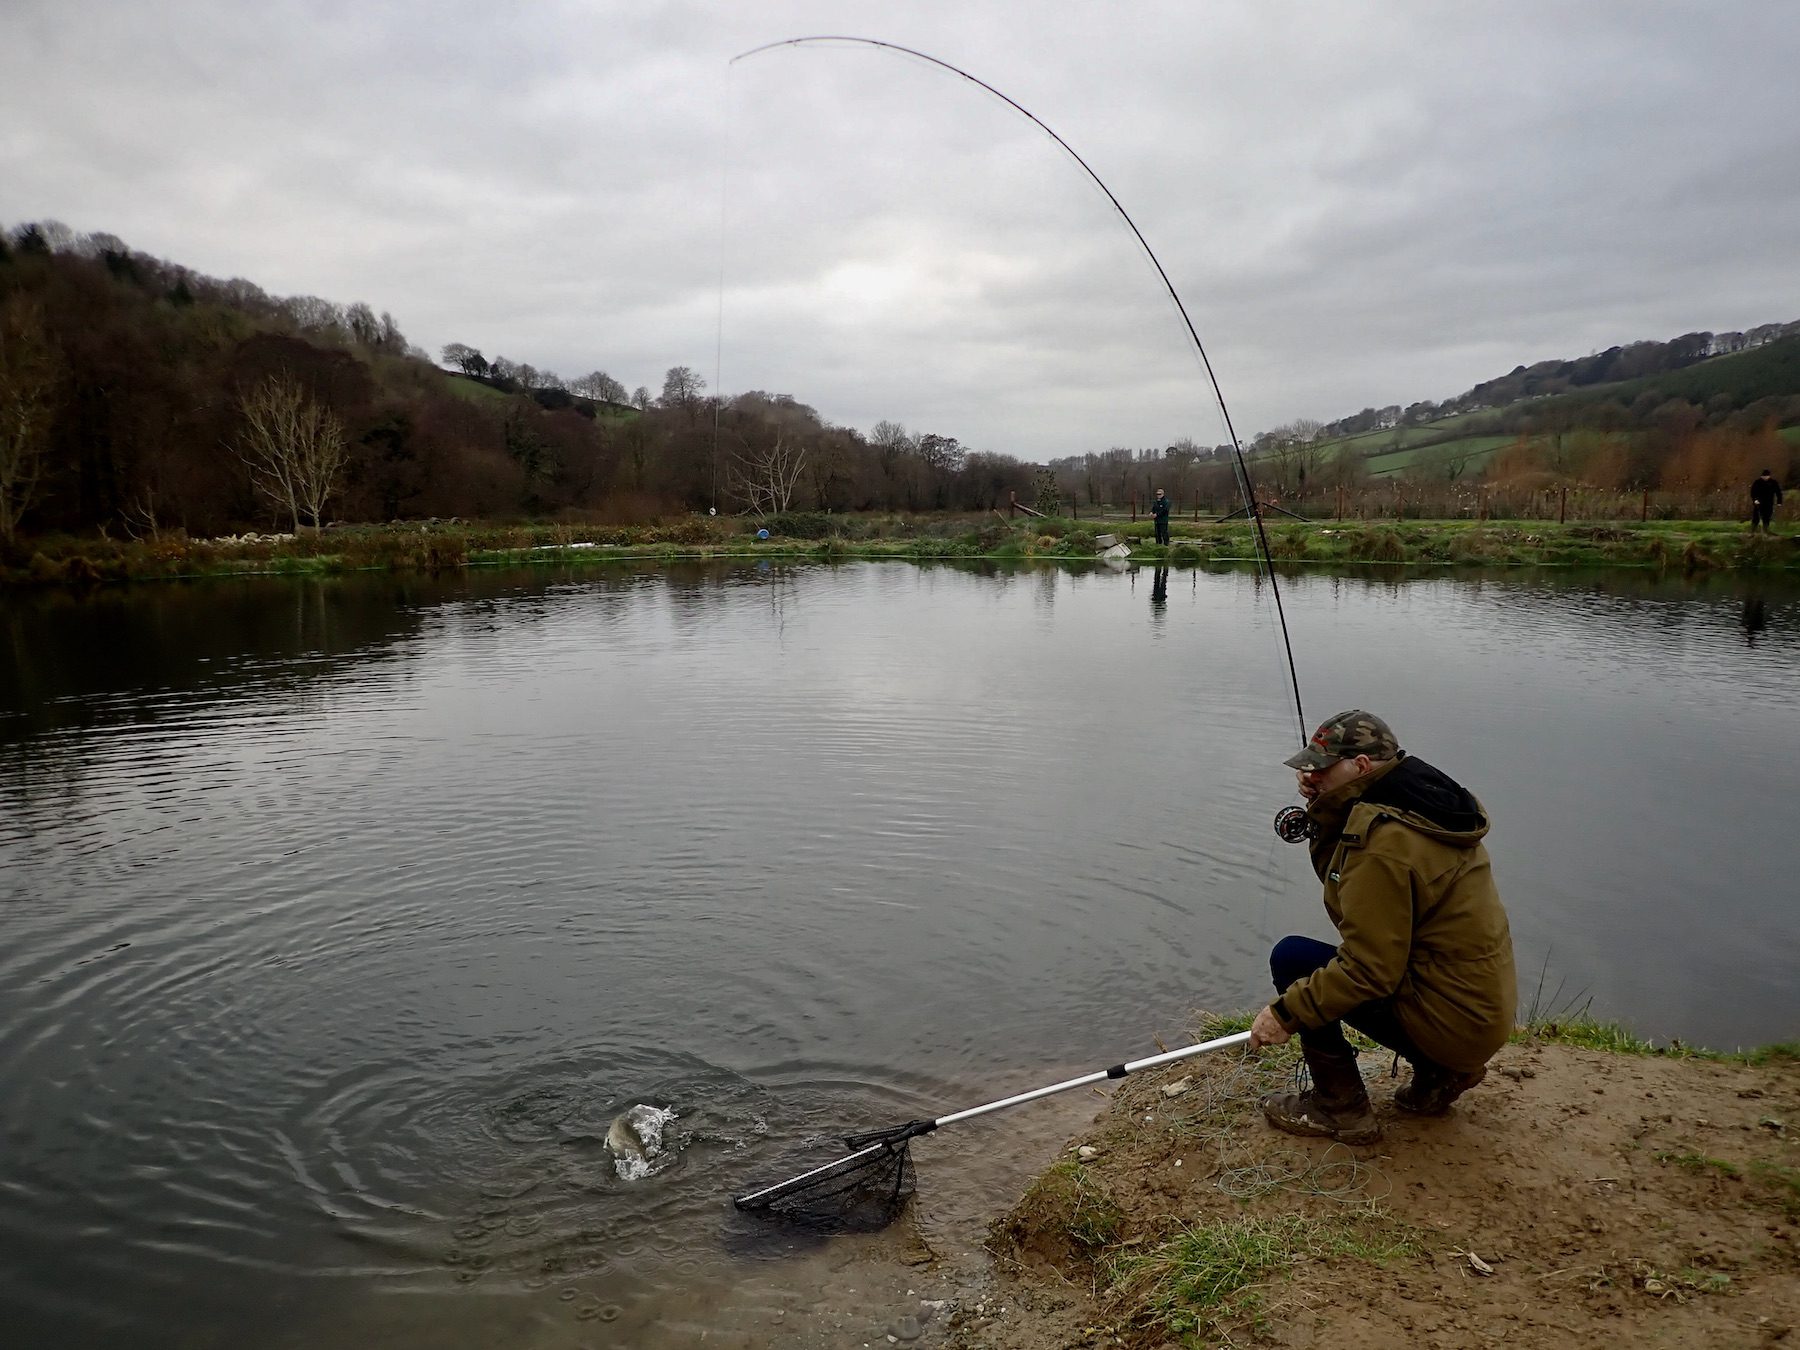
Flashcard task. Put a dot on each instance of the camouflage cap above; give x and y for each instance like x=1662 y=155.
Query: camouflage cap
x=1346 y=736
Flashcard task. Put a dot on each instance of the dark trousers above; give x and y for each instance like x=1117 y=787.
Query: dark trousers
x=1761 y=513
x=1162 y=529
x=1294 y=958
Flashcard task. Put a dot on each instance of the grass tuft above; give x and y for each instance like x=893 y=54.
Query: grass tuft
x=1784 y=1180
x=1581 y=1028
x=1208 y=1273
x=1589 y=1032
x=1699 y=1162
x=1071 y=1199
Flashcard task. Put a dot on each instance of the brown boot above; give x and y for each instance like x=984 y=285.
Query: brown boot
x=1432 y=1088
x=1335 y=1107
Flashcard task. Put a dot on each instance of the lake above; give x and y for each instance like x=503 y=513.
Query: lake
x=343 y=915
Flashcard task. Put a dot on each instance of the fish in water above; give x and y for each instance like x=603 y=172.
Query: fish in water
x=635 y=1139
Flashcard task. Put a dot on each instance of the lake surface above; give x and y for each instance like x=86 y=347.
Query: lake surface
x=342 y=916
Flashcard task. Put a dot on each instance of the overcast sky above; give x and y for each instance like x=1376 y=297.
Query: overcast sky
x=1360 y=204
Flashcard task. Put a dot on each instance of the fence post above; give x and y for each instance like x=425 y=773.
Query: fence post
x=1644 y=514
x=1012 y=503
x=1134 y=507
x=1074 y=508
x=1562 y=508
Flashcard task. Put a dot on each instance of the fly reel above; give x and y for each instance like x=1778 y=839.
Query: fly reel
x=1294 y=825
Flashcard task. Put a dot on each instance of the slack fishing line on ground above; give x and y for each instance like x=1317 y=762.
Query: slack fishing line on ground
x=1252 y=504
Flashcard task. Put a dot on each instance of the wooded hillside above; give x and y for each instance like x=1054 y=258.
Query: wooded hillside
x=140 y=396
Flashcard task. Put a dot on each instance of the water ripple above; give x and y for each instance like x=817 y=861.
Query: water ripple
x=335 y=940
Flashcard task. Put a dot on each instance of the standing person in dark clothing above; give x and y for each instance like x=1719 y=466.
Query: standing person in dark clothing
x=1160 y=510
x=1765 y=491
x=1424 y=959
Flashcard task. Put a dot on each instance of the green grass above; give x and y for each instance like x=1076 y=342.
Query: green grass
x=1070 y=1198
x=1581 y=1028
x=1214 y=1025
x=1464 y=437
x=1468 y=452
x=1780 y=1180
x=1584 y=1030
x=1743 y=377
x=1691 y=546
x=1209 y=1273
x=473 y=390
x=1781 y=1052
x=1699 y=1162
x=1784 y=1180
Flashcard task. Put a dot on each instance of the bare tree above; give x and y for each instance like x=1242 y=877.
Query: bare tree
x=293 y=447
x=682 y=389
x=764 y=479
x=600 y=386
x=464 y=357
x=364 y=327
x=314 y=315
x=892 y=445
x=30 y=370
x=1296 y=453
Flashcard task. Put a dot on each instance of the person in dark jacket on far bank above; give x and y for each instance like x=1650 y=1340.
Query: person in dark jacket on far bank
x=1424 y=958
x=1765 y=491
x=1159 y=509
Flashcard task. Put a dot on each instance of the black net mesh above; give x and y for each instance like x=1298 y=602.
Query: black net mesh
x=860 y=1193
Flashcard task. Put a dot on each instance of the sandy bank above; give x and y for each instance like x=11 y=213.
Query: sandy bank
x=1577 y=1197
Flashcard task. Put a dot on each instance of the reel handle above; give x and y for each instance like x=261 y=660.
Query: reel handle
x=1294 y=825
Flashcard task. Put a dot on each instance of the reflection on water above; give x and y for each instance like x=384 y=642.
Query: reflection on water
x=1756 y=616
x=343 y=916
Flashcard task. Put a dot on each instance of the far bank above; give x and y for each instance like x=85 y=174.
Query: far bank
x=1680 y=546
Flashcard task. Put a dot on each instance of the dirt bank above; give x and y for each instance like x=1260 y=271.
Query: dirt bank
x=1577 y=1197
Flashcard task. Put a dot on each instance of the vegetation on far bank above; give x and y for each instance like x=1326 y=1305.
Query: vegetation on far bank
x=1679 y=546
x=140 y=397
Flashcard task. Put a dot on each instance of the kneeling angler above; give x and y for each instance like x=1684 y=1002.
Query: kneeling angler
x=1424 y=961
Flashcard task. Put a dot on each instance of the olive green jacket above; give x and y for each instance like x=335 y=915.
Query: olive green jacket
x=1418 y=918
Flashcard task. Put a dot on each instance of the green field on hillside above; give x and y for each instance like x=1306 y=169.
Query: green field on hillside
x=474 y=390
x=1743 y=377
x=1469 y=452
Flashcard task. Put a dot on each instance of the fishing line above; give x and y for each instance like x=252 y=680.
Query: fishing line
x=719 y=329
x=1252 y=506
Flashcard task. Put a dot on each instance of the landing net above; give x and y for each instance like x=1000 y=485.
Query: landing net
x=859 y=1193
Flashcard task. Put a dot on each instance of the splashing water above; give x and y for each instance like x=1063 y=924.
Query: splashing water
x=647 y=1123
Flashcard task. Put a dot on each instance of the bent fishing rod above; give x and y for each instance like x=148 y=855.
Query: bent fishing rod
x=1252 y=504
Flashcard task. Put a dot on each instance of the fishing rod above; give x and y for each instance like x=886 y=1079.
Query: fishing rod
x=1252 y=504
x=876 y=1175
